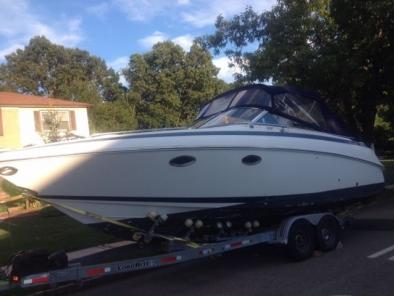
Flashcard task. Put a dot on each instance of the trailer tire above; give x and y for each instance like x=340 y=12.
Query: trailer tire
x=328 y=233
x=301 y=240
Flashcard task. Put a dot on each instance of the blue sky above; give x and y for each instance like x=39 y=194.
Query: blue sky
x=115 y=29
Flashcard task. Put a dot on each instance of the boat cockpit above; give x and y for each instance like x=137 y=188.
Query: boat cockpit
x=270 y=105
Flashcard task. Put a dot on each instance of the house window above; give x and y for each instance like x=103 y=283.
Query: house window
x=48 y=119
x=61 y=119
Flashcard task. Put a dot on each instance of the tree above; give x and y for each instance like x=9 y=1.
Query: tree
x=366 y=31
x=341 y=48
x=47 y=69
x=116 y=115
x=53 y=121
x=168 y=85
x=44 y=68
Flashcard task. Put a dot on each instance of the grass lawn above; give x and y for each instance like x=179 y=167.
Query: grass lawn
x=47 y=229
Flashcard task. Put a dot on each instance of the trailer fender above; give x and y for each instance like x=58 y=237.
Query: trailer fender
x=282 y=233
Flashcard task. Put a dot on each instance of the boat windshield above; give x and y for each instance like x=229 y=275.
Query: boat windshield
x=248 y=115
x=272 y=105
x=233 y=116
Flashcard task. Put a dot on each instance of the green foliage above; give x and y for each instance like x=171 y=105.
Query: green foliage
x=113 y=116
x=44 y=68
x=168 y=85
x=343 y=49
x=386 y=121
x=53 y=121
x=384 y=131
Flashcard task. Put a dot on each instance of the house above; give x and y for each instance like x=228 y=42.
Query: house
x=24 y=119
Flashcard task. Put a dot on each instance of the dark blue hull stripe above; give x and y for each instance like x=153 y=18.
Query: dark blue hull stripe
x=326 y=196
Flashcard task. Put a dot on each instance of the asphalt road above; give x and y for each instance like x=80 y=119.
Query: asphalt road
x=266 y=271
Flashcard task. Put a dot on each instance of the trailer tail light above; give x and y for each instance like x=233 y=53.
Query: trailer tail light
x=97 y=271
x=171 y=259
x=236 y=245
x=42 y=279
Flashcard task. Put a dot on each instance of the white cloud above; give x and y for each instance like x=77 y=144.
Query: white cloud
x=226 y=72
x=18 y=25
x=198 y=13
x=8 y=50
x=148 y=41
x=183 y=2
x=122 y=80
x=184 y=41
x=205 y=12
x=119 y=63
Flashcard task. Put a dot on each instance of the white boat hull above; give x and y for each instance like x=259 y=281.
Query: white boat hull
x=125 y=177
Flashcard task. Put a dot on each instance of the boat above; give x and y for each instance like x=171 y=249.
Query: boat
x=255 y=153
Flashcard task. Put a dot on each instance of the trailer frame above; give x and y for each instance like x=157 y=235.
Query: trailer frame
x=79 y=273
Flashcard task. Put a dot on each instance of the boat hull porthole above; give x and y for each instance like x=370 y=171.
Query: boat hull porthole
x=8 y=171
x=251 y=160
x=182 y=161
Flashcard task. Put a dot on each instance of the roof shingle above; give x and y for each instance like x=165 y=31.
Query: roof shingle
x=19 y=100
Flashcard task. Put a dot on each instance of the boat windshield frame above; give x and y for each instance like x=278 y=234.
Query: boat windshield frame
x=205 y=123
x=273 y=99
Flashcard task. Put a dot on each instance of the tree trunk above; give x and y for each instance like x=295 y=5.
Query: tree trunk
x=367 y=122
x=350 y=118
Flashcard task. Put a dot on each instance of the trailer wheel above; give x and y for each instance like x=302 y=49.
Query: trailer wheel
x=328 y=233
x=301 y=240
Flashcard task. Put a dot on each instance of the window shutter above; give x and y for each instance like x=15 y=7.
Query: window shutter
x=37 y=121
x=73 y=122
x=1 y=123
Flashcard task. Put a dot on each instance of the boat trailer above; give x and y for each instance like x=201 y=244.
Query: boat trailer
x=300 y=234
